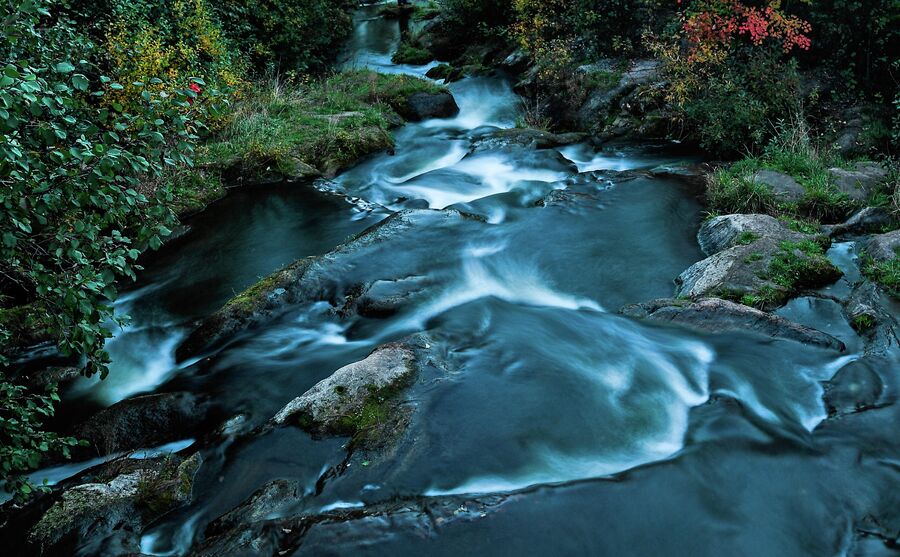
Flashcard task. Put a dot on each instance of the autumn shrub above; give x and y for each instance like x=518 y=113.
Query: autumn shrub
x=169 y=43
x=730 y=73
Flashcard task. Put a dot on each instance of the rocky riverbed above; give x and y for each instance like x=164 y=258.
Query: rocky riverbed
x=494 y=340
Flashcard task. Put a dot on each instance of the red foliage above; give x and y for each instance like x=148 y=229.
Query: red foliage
x=713 y=23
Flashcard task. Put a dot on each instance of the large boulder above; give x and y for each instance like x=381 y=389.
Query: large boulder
x=723 y=232
x=721 y=316
x=860 y=182
x=763 y=273
x=106 y=515
x=783 y=186
x=422 y=106
x=360 y=399
x=143 y=422
x=882 y=247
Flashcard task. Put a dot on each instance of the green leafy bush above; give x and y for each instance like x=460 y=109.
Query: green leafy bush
x=23 y=442
x=84 y=188
x=286 y=35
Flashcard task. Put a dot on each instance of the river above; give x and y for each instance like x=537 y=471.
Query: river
x=602 y=435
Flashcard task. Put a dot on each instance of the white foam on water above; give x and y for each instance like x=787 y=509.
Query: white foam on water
x=141 y=361
x=180 y=542
x=454 y=154
x=342 y=505
x=490 y=174
x=682 y=386
x=487 y=273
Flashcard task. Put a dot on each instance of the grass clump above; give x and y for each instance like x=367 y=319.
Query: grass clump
x=792 y=152
x=326 y=124
x=885 y=273
x=862 y=322
x=799 y=265
x=747 y=237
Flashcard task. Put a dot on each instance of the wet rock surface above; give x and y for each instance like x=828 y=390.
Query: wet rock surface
x=105 y=512
x=855 y=387
x=753 y=270
x=867 y=219
x=348 y=390
x=422 y=106
x=867 y=310
x=305 y=280
x=143 y=422
x=723 y=232
x=721 y=316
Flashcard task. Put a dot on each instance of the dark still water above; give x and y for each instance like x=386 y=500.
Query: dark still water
x=560 y=427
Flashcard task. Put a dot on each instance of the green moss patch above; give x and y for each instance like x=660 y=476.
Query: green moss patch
x=408 y=53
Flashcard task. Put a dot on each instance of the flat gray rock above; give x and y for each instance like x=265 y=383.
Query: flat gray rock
x=721 y=316
x=783 y=186
x=859 y=183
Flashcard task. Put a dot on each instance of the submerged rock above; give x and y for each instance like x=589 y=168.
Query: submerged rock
x=721 y=316
x=763 y=273
x=106 y=515
x=446 y=72
x=384 y=298
x=723 y=232
x=422 y=106
x=276 y=498
x=360 y=398
x=143 y=422
x=782 y=185
x=867 y=312
x=524 y=137
x=856 y=386
x=317 y=533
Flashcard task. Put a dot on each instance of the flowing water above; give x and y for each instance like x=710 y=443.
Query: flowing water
x=600 y=434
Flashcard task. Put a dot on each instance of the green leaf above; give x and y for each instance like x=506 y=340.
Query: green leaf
x=64 y=67
x=80 y=82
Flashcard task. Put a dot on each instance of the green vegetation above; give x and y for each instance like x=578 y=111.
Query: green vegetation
x=734 y=189
x=24 y=442
x=799 y=265
x=408 y=53
x=747 y=237
x=885 y=273
x=324 y=123
x=371 y=423
x=105 y=109
x=862 y=322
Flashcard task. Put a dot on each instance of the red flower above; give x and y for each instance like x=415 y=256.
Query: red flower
x=196 y=89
